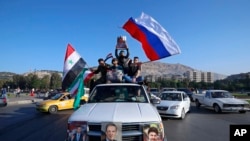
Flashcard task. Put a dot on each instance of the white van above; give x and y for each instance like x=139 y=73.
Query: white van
x=126 y=106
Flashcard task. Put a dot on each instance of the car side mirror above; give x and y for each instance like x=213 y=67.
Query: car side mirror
x=155 y=101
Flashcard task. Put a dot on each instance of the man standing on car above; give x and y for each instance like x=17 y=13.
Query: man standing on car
x=102 y=68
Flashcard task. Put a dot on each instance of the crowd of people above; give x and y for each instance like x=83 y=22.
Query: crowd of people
x=123 y=69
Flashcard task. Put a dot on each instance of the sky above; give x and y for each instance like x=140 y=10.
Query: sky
x=213 y=35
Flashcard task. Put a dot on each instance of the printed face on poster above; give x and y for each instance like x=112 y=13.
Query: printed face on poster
x=111 y=131
x=121 y=43
x=77 y=131
x=153 y=132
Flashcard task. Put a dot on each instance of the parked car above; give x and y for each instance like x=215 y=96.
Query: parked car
x=188 y=92
x=174 y=104
x=154 y=91
x=168 y=89
x=60 y=101
x=3 y=100
x=221 y=101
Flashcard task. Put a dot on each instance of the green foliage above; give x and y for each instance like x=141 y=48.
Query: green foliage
x=230 y=85
x=33 y=81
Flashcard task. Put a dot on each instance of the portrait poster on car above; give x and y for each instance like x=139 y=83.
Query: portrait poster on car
x=121 y=43
x=77 y=131
x=153 y=132
x=111 y=131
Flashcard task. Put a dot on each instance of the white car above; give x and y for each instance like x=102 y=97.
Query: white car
x=174 y=104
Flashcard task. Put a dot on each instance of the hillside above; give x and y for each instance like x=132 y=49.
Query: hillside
x=151 y=68
x=158 y=68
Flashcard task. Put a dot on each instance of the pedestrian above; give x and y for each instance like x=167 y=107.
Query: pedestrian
x=18 y=91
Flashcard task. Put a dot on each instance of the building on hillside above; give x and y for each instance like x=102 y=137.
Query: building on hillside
x=200 y=76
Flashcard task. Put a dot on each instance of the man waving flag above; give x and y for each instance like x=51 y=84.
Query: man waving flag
x=155 y=40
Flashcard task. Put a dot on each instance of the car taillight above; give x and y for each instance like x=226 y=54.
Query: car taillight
x=4 y=100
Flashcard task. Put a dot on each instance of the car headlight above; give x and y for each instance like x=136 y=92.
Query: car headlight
x=175 y=107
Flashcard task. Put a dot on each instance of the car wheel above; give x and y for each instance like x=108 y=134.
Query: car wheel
x=183 y=114
x=197 y=104
x=217 y=108
x=53 y=109
x=82 y=102
x=242 y=112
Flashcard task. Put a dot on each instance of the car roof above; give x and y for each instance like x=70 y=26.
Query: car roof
x=119 y=84
x=172 y=92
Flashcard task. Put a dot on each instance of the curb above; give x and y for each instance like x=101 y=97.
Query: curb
x=24 y=101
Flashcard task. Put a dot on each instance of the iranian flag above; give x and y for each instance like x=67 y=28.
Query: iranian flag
x=73 y=66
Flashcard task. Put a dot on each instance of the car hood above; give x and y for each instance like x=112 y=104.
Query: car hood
x=116 y=112
x=168 y=103
x=231 y=101
x=49 y=101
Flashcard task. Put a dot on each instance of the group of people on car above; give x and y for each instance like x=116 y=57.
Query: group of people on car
x=122 y=69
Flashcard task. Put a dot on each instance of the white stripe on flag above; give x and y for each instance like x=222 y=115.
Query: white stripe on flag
x=74 y=88
x=70 y=62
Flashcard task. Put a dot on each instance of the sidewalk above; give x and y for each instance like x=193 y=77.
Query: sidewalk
x=23 y=99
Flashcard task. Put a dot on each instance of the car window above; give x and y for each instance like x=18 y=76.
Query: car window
x=57 y=96
x=118 y=94
x=171 y=96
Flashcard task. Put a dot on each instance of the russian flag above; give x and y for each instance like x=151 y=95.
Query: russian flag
x=155 y=40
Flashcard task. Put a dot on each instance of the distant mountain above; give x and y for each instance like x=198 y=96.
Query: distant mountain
x=6 y=75
x=151 y=68
x=159 y=69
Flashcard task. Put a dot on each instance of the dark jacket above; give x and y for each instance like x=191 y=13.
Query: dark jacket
x=102 y=69
x=80 y=139
x=133 y=68
x=122 y=59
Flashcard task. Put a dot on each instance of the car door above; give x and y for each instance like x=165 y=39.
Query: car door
x=186 y=101
x=65 y=103
x=208 y=100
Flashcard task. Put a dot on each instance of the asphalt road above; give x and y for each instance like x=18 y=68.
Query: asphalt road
x=24 y=123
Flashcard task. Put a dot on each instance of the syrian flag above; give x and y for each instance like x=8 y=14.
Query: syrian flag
x=87 y=75
x=155 y=40
x=76 y=89
x=108 y=56
x=73 y=66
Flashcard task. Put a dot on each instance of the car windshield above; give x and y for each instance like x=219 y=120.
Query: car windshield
x=153 y=90
x=118 y=93
x=168 y=89
x=57 y=96
x=171 y=96
x=221 y=95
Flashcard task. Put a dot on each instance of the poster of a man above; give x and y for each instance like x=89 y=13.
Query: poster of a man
x=77 y=131
x=112 y=132
x=153 y=133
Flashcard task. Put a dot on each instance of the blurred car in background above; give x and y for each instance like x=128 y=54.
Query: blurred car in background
x=188 y=92
x=3 y=100
x=168 y=89
x=154 y=91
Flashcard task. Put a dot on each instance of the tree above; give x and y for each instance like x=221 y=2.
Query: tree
x=45 y=82
x=55 y=81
